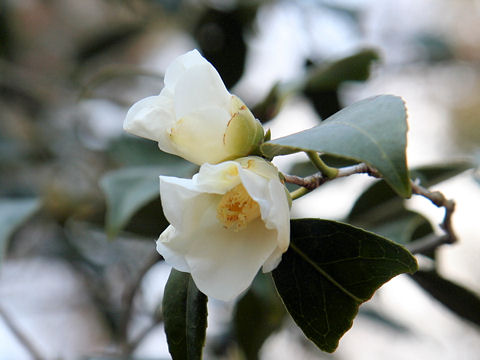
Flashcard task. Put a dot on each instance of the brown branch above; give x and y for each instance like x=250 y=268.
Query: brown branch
x=21 y=337
x=312 y=182
x=438 y=199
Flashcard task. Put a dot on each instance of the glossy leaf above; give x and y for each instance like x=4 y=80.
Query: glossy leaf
x=372 y=131
x=257 y=315
x=185 y=315
x=330 y=269
x=463 y=302
x=13 y=212
x=129 y=189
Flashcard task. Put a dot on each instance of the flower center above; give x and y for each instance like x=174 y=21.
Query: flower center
x=237 y=209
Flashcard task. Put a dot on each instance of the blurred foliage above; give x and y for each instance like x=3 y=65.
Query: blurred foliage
x=380 y=210
x=460 y=300
x=220 y=37
x=258 y=314
x=323 y=82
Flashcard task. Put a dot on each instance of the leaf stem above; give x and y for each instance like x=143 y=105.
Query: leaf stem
x=299 y=193
x=327 y=171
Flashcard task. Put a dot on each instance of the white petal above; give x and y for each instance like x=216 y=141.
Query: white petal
x=279 y=216
x=219 y=178
x=183 y=205
x=199 y=87
x=180 y=65
x=166 y=247
x=223 y=263
x=270 y=196
x=198 y=136
x=257 y=188
x=151 y=118
x=273 y=260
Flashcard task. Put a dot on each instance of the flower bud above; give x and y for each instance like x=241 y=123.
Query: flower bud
x=194 y=116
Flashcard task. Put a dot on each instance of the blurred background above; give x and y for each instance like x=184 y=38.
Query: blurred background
x=79 y=206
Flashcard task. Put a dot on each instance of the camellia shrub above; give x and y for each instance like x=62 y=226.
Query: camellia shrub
x=232 y=218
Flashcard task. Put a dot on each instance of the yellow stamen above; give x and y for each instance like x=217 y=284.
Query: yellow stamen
x=237 y=209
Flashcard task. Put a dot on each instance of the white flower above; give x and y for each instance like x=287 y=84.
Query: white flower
x=194 y=116
x=227 y=222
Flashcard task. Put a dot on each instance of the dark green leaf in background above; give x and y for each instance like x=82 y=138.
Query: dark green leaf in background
x=430 y=175
x=381 y=210
x=129 y=189
x=185 y=315
x=330 y=269
x=13 y=212
x=126 y=191
x=463 y=302
x=257 y=315
x=323 y=81
x=379 y=202
x=406 y=227
x=352 y=68
x=101 y=40
x=373 y=131
x=220 y=36
x=383 y=319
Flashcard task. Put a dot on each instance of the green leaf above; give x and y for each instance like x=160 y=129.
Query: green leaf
x=430 y=175
x=384 y=320
x=13 y=212
x=185 y=314
x=380 y=210
x=377 y=204
x=98 y=42
x=404 y=228
x=463 y=302
x=257 y=315
x=329 y=270
x=128 y=190
x=135 y=151
x=373 y=131
x=355 y=67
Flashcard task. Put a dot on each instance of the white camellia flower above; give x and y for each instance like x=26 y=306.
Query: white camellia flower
x=227 y=222
x=195 y=116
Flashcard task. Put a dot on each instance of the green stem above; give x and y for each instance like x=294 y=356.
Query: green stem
x=327 y=171
x=299 y=193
